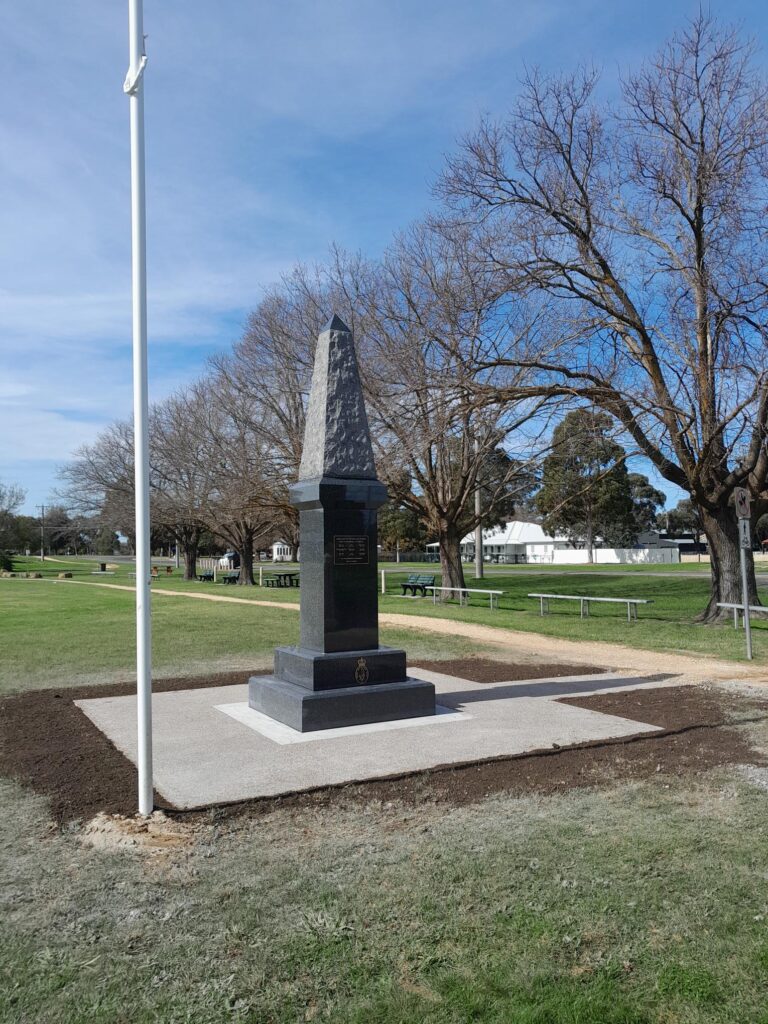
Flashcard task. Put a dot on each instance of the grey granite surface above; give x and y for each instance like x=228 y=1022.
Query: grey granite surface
x=337 y=442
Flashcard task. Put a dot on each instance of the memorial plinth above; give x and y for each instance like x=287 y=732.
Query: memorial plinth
x=338 y=675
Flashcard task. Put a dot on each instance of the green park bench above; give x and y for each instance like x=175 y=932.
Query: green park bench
x=417 y=581
x=206 y=576
x=230 y=577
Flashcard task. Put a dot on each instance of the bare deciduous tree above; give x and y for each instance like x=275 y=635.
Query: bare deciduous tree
x=11 y=498
x=182 y=474
x=99 y=480
x=240 y=506
x=643 y=229
x=426 y=312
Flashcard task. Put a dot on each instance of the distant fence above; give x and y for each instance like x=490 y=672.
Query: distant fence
x=615 y=556
x=407 y=556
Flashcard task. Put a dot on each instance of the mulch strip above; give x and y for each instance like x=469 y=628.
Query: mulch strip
x=50 y=746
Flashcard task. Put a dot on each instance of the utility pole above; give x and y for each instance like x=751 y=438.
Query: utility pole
x=479 y=569
x=42 y=531
x=134 y=89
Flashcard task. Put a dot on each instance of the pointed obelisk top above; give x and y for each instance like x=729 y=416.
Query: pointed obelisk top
x=337 y=442
x=336 y=324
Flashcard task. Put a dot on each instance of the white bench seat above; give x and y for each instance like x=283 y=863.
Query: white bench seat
x=493 y=595
x=630 y=602
x=755 y=609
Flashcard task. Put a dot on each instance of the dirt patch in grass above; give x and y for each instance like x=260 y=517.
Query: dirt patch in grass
x=48 y=744
x=487 y=670
x=673 y=708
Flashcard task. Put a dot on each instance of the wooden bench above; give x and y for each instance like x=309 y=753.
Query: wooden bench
x=630 y=602
x=230 y=577
x=463 y=592
x=417 y=581
x=206 y=576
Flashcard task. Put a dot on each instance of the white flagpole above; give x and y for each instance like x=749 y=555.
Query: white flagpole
x=134 y=87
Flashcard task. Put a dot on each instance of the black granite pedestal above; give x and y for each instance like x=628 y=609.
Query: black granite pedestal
x=338 y=675
x=312 y=710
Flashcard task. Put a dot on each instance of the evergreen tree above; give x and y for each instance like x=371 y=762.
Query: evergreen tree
x=646 y=501
x=586 y=491
x=400 y=527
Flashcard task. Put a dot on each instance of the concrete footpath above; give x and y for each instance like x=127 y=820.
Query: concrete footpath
x=211 y=748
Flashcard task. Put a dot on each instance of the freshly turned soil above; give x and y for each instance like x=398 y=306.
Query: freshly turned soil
x=51 y=747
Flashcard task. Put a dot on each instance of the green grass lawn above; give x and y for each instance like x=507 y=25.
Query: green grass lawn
x=643 y=904
x=666 y=624
x=63 y=634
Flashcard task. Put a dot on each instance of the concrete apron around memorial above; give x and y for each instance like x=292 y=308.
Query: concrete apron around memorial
x=338 y=675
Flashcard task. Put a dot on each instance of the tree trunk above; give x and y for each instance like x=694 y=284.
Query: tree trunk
x=590 y=542
x=245 y=550
x=189 y=546
x=450 y=559
x=722 y=533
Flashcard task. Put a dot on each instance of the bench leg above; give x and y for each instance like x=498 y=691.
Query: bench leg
x=541 y=602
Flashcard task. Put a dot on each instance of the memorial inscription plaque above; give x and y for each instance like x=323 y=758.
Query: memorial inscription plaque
x=350 y=550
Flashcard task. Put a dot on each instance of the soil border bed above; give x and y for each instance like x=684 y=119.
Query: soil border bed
x=50 y=746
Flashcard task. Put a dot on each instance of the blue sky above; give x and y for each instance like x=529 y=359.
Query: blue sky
x=273 y=129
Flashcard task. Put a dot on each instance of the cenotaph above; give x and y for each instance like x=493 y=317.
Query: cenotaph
x=338 y=675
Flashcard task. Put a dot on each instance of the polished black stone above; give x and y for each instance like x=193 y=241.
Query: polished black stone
x=331 y=671
x=338 y=675
x=339 y=596
x=309 y=711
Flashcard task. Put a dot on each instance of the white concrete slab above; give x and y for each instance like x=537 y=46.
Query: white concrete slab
x=203 y=757
x=279 y=733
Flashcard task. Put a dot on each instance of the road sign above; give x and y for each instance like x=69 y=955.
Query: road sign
x=742 y=499
x=745 y=534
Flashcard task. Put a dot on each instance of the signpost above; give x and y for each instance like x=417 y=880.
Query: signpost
x=742 y=503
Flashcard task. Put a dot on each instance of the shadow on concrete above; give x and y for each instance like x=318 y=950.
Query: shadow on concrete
x=553 y=688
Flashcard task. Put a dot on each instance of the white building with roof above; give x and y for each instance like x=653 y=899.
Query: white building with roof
x=520 y=541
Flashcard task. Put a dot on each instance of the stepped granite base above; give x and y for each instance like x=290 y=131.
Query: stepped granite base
x=310 y=710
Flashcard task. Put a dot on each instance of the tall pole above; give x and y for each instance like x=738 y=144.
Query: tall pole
x=42 y=532
x=134 y=87
x=745 y=600
x=478 y=527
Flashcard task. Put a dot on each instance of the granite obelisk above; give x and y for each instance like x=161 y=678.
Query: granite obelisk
x=339 y=675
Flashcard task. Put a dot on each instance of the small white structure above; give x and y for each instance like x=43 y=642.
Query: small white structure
x=282 y=551
x=522 y=541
